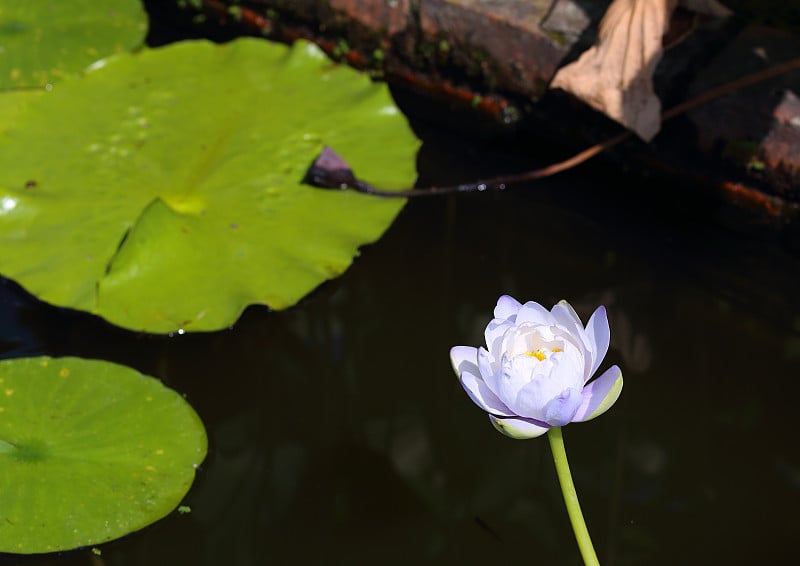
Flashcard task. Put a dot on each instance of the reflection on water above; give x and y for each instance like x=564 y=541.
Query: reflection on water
x=338 y=433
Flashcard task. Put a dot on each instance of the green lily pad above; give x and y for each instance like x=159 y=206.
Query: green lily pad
x=42 y=40
x=164 y=190
x=89 y=451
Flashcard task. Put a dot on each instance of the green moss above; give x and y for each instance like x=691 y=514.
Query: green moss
x=479 y=55
x=427 y=50
x=236 y=12
x=558 y=38
x=742 y=152
x=342 y=48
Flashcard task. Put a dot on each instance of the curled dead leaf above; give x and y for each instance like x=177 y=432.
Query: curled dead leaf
x=615 y=76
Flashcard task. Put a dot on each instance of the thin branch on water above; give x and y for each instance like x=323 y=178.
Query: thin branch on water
x=341 y=177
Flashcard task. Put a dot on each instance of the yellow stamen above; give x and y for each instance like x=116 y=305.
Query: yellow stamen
x=538 y=354
x=541 y=353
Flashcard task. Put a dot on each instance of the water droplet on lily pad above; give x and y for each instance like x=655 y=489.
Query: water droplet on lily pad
x=89 y=451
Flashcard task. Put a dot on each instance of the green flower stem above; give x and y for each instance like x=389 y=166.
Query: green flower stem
x=570 y=497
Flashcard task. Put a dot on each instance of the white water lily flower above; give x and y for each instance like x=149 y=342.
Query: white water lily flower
x=534 y=372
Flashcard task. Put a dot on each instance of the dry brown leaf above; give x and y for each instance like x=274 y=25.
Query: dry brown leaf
x=616 y=75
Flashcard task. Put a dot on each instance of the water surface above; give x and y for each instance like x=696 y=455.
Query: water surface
x=339 y=435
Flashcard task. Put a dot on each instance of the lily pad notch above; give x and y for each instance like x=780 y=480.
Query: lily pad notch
x=193 y=157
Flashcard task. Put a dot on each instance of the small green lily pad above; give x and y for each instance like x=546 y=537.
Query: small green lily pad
x=164 y=190
x=41 y=41
x=89 y=451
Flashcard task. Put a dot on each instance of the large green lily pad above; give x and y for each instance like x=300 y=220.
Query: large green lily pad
x=42 y=40
x=89 y=451
x=164 y=190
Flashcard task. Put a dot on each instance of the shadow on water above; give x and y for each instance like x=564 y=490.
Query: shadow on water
x=338 y=433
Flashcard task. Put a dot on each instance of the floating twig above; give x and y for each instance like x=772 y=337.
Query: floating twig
x=330 y=171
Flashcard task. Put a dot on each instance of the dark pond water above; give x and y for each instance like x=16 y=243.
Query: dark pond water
x=338 y=434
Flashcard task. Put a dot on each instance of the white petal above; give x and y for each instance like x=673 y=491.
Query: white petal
x=569 y=366
x=488 y=367
x=512 y=378
x=494 y=335
x=464 y=358
x=565 y=314
x=549 y=382
x=507 y=307
x=568 y=319
x=519 y=428
x=599 y=335
x=535 y=313
x=561 y=410
x=599 y=395
x=490 y=371
x=482 y=396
